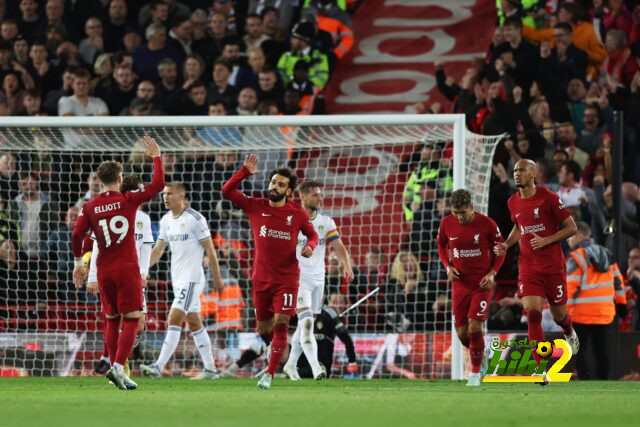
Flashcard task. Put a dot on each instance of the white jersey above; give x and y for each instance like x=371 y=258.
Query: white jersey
x=144 y=240
x=313 y=268
x=184 y=234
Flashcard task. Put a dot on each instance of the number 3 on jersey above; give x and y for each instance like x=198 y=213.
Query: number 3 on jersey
x=287 y=301
x=117 y=225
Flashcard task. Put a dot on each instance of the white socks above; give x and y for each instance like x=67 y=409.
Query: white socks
x=203 y=342
x=169 y=346
x=308 y=340
x=296 y=349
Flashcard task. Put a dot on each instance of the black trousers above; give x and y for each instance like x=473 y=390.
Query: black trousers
x=596 y=337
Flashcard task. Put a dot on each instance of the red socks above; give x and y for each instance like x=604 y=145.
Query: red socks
x=476 y=350
x=126 y=340
x=566 y=324
x=535 y=328
x=111 y=335
x=278 y=345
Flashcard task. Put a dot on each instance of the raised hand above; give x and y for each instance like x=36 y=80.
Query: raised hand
x=151 y=148
x=251 y=162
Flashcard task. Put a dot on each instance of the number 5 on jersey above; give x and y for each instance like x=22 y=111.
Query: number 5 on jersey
x=117 y=225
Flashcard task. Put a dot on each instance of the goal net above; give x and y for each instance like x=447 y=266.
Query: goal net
x=386 y=182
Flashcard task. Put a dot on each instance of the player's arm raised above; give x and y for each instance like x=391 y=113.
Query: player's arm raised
x=213 y=264
x=157 y=252
x=77 y=236
x=500 y=248
x=230 y=188
x=157 y=182
x=568 y=229
x=343 y=257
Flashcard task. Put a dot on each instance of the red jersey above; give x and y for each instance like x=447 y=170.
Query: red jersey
x=111 y=215
x=469 y=247
x=539 y=214
x=275 y=233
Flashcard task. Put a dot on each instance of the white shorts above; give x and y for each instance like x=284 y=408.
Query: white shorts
x=186 y=296
x=310 y=294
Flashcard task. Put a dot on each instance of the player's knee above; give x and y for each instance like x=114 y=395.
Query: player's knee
x=474 y=326
x=263 y=330
x=534 y=316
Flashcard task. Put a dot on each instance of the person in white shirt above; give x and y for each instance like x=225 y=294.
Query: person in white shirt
x=144 y=240
x=187 y=234
x=312 y=281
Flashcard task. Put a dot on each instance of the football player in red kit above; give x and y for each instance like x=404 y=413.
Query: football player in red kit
x=111 y=216
x=465 y=242
x=541 y=224
x=275 y=223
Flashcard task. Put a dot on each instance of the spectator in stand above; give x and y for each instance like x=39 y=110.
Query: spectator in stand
x=196 y=104
x=52 y=98
x=373 y=274
x=618 y=69
x=248 y=76
x=171 y=8
x=281 y=15
x=633 y=276
x=115 y=24
x=594 y=125
x=32 y=104
x=616 y=16
x=201 y=42
x=167 y=87
x=231 y=52
x=55 y=14
x=120 y=95
x=9 y=177
x=9 y=30
x=302 y=36
x=11 y=93
x=566 y=139
x=103 y=71
x=180 y=37
x=59 y=247
x=405 y=294
x=131 y=40
x=254 y=35
x=291 y=105
x=220 y=90
x=35 y=213
x=148 y=56
x=269 y=86
x=21 y=50
x=247 y=103
x=574 y=194
x=93 y=44
x=80 y=103
x=193 y=69
x=520 y=57
x=30 y=21
x=93 y=189
x=158 y=13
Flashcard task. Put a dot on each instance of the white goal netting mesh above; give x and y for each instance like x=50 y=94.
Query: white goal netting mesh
x=385 y=186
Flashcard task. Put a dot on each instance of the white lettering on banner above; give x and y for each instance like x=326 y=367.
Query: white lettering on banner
x=353 y=94
x=442 y=43
x=460 y=10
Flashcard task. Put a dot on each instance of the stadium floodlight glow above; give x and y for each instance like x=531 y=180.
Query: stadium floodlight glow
x=363 y=160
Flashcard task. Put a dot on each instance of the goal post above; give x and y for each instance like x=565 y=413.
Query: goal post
x=364 y=161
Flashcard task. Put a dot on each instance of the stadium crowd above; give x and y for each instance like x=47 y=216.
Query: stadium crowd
x=551 y=79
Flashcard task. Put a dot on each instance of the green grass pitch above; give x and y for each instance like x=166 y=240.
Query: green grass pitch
x=90 y=401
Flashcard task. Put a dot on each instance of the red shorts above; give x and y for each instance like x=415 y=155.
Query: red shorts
x=120 y=290
x=270 y=298
x=470 y=304
x=553 y=287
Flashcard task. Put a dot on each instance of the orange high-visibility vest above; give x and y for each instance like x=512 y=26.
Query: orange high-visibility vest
x=592 y=294
x=226 y=308
x=341 y=34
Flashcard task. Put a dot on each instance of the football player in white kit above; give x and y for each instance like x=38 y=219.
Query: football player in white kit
x=187 y=234
x=312 y=280
x=144 y=240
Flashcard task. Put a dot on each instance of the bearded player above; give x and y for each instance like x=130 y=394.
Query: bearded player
x=541 y=223
x=111 y=216
x=276 y=223
x=465 y=242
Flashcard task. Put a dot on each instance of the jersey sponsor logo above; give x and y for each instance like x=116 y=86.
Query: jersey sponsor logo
x=178 y=237
x=536 y=213
x=476 y=239
x=277 y=234
x=466 y=253
x=263 y=231
x=289 y=218
x=107 y=208
x=528 y=229
x=303 y=242
x=138 y=236
x=320 y=229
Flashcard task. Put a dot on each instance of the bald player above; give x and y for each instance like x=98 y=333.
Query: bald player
x=541 y=224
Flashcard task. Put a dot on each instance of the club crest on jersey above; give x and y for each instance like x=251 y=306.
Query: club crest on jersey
x=139 y=225
x=182 y=227
x=476 y=239
x=289 y=218
x=321 y=228
x=536 y=213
